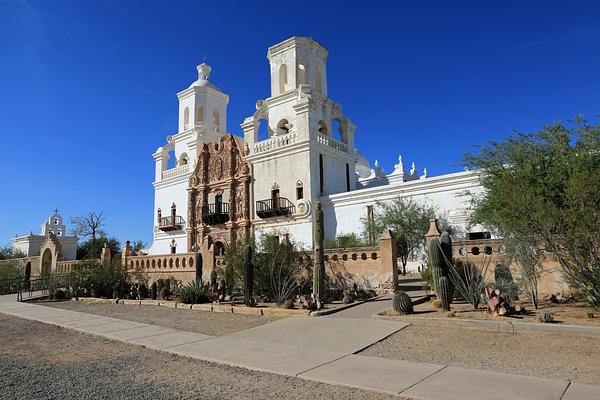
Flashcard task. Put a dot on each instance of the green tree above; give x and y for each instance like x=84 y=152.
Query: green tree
x=409 y=220
x=7 y=253
x=544 y=188
x=91 y=250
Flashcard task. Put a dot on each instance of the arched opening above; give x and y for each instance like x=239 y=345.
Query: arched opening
x=322 y=128
x=283 y=127
x=28 y=275
x=171 y=159
x=336 y=130
x=301 y=73
x=318 y=79
x=283 y=80
x=299 y=190
x=186 y=118
x=59 y=232
x=263 y=130
x=219 y=249
x=216 y=119
x=183 y=159
x=199 y=115
x=173 y=246
x=46 y=263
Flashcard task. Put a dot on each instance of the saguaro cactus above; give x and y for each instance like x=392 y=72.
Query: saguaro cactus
x=445 y=294
x=248 y=277
x=435 y=262
x=319 y=260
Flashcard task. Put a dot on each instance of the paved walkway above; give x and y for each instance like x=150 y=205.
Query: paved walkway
x=320 y=349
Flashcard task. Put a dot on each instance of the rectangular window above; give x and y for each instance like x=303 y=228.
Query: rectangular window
x=299 y=193
x=478 y=235
x=321 y=177
x=218 y=203
x=347 y=177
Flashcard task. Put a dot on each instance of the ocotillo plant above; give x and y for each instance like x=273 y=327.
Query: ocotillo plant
x=248 y=277
x=319 y=261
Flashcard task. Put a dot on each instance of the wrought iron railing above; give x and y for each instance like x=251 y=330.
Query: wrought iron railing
x=171 y=223
x=274 y=207
x=216 y=213
x=42 y=286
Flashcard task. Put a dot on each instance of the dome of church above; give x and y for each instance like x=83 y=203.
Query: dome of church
x=362 y=166
x=204 y=77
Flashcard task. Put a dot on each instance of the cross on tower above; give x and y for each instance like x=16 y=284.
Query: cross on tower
x=56 y=211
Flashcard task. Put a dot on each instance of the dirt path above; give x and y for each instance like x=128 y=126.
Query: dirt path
x=40 y=361
x=208 y=323
x=548 y=355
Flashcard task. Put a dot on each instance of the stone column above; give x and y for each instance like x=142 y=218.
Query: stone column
x=126 y=253
x=105 y=256
x=389 y=254
x=433 y=231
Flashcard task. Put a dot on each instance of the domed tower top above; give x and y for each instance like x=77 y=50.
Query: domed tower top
x=203 y=104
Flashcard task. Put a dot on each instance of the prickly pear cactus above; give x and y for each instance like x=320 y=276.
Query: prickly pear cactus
x=248 y=277
x=402 y=303
x=319 y=260
x=445 y=294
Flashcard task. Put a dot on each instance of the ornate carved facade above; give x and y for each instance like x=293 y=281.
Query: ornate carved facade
x=219 y=187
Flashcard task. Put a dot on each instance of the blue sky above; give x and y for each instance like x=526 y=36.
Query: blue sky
x=88 y=89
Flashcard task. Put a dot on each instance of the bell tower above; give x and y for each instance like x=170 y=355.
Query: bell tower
x=203 y=105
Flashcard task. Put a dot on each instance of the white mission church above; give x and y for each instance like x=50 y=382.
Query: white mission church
x=212 y=187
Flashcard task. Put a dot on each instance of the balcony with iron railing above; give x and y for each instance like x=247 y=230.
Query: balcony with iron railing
x=274 y=207
x=215 y=214
x=172 y=223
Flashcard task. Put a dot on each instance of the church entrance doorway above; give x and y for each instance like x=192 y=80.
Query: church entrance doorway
x=28 y=275
x=46 y=263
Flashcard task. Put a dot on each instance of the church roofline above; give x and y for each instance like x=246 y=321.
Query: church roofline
x=291 y=42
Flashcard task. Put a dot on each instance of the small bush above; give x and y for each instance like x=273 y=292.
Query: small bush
x=193 y=294
x=59 y=294
x=546 y=317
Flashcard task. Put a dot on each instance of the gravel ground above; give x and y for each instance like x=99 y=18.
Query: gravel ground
x=208 y=323
x=547 y=355
x=40 y=361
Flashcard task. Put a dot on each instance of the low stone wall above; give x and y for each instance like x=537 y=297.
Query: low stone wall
x=362 y=265
x=491 y=252
x=180 y=266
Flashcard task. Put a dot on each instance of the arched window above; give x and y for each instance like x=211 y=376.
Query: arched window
x=336 y=129
x=59 y=232
x=183 y=159
x=301 y=73
x=216 y=119
x=263 y=130
x=200 y=115
x=318 y=79
x=283 y=79
x=283 y=127
x=299 y=190
x=322 y=127
x=186 y=117
x=171 y=159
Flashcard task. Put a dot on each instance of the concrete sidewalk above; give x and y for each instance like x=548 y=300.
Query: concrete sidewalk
x=320 y=349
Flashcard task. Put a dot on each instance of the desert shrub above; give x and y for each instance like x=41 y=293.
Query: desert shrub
x=507 y=288
x=426 y=274
x=89 y=277
x=59 y=294
x=193 y=293
x=345 y=241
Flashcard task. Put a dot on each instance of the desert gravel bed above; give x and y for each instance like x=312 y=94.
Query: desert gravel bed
x=208 y=323
x=40 y=361
x=548 y=355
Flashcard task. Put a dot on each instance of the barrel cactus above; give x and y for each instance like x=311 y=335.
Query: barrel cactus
x=248 y=277
x=445 y=294
x=402 y=303
x=546 y=316
x=319 y=260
